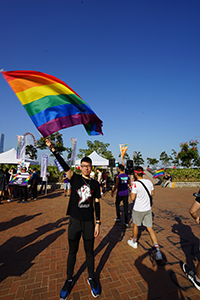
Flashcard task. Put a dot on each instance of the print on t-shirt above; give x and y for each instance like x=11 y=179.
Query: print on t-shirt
x=84 y=193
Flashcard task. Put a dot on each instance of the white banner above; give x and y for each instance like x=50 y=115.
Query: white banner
x=21 y=147
x=73 y=156
x=44 y=164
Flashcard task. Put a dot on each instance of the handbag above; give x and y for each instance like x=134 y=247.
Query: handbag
x=150 y=197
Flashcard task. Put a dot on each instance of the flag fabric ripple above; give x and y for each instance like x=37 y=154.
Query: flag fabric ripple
x=158 y=173
x=51 y=104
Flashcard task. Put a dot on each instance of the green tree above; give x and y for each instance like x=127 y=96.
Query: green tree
x=57 y=140
x=69 y=151
x=164 y=158
x=197 y=162
x=189 y=153
x=99 y=147
x=31 y=151
x=137 y=158
x=175 y=159
x=152 y=161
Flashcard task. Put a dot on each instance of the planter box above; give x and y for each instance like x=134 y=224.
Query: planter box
x=183 y=184
x=53 y=185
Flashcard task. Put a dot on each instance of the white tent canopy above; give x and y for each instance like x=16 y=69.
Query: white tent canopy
x=9 y=157
x=97 y=160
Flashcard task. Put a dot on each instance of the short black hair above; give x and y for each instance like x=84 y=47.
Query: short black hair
x=121 y=167
x=86 y=159
x=140 y=171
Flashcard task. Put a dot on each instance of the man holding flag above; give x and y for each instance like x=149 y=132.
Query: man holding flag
x=84 y=200
x=52 y=105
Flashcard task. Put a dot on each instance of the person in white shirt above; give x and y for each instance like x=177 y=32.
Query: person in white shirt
x=92 y=174
x=142 y=213
x=99 y=178
x=44 y=183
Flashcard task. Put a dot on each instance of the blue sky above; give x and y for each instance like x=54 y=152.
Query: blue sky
x=136 y=63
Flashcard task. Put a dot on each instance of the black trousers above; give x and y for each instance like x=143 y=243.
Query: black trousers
x=23 y=192
x=34 y=191
x=77 y=229
x=125 y=202
x=43 y=183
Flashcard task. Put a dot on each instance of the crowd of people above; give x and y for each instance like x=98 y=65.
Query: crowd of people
x=84 y=193
x=7 y=191
x=10 y=189
x=84 y=211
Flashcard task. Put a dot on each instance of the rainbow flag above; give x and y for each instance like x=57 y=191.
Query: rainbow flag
x=51 y=104
x=158 y=173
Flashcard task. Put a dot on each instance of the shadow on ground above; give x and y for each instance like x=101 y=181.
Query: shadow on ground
x=17 y=253
x=17 y=221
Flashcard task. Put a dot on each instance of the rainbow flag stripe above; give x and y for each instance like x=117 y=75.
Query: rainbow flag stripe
x=51 y=103
x=158 y=173
x=27 y=180
x=13 y=179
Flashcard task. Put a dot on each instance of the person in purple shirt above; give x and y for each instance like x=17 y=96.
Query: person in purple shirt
x=67 y=187
x=122 y=184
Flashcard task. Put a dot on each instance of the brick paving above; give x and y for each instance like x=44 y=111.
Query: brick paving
x=33 y=249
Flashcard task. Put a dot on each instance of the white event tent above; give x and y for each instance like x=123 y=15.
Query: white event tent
x=9 y=157
x=97 y=160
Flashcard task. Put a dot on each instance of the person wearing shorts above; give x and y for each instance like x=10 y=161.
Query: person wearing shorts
x=142 y=214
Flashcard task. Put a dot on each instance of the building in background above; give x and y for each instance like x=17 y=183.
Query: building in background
x=1 y=142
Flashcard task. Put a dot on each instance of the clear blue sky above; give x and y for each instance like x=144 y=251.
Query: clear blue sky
x=135 y=62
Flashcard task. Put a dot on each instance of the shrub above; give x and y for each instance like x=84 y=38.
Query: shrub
x=184 y=174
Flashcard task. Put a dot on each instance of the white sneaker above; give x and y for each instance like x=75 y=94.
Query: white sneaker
x=9 y=200
x=158 y=255
x=132 y=243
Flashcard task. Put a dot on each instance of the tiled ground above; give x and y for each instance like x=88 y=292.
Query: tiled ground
x=33 y=248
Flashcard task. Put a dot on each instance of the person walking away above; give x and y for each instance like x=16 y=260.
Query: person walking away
x=194 y=275
x=67 y=186
x=121 y=185
x=84 y=200
x=104 y=180
x=142 y=213
x=34 y=182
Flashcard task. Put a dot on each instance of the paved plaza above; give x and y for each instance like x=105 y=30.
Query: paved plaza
x=33 y=249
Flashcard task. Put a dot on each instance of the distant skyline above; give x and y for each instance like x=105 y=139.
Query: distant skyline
x=136 y=64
